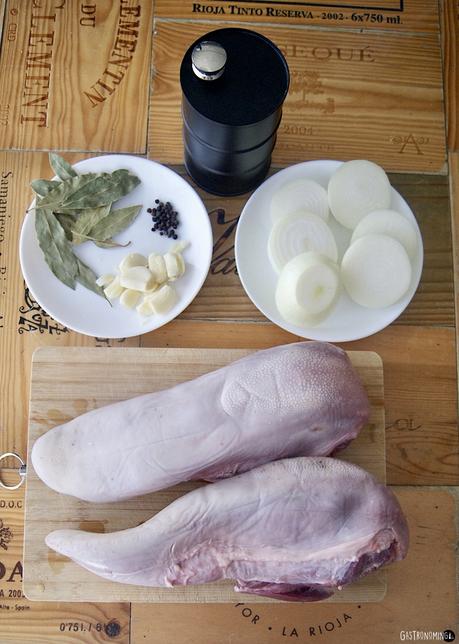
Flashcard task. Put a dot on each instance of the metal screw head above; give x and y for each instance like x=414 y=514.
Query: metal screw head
x=208 y=60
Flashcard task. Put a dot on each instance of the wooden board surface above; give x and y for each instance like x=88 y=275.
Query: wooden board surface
x=24 y=326
x=75 y=75
x=363 y=99
x=450 y=48
x=454 y=189
x=421 y=596
x=391 y=15
x=408 y=604
x=63 y=386
x=419 y=357
x=26 y=622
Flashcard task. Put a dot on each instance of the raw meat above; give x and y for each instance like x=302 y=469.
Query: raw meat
x=302 y=399
x=295 y=529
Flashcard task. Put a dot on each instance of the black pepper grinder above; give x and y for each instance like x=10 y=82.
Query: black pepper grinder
x=234 y=82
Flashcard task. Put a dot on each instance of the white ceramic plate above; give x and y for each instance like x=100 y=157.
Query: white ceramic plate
x=348 y=321
x=84 y=311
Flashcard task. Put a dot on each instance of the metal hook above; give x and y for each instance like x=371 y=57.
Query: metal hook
x=22 y=471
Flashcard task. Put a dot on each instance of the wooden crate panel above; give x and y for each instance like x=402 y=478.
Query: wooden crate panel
x=393 y=15
x=421 y=596
x=454 y=187
x=450 y=48
x=352 y=95
x=61 y=389
x=22 y=621
x=24 y=325
x=75 y=75
x=420 y=381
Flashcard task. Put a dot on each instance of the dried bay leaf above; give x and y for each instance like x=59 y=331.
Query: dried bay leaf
x=61 y=167
x=90 y=190
x=115 y=222
x=42 y=187
x=87 y=278
x=55 y=199
x=103 y=191
x=70 y=210
x=104 y=243
x=85 y=221
x=56 y=248
x=67 y=222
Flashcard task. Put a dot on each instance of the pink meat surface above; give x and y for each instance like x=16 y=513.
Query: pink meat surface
x=296 y=529
x=301 y=399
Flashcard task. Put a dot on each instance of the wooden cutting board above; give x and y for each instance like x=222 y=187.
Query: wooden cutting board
x=69 y=381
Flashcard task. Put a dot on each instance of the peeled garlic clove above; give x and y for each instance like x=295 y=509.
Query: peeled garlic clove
x=114 y=289
x=154 y=288
x=158 y=267
x=129 y=298
x=180 y=246
x=163 y=299
x=174 y=266
x=145 y=308
x=131 y=260
x=137 y=278
x=181 y=262
x=104 y=280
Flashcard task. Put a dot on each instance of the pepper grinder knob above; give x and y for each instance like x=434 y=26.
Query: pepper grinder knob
x=208 y=60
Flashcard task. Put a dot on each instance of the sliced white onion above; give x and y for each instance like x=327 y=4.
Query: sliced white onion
x=357 y=188
x=376 y=271
x=301 y=194
x=297 y=233
x=391 y=223
x=308 y=288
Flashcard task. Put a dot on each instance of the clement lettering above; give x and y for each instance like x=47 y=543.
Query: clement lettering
x=123 y=49
x=38 y=68
x=129 y=29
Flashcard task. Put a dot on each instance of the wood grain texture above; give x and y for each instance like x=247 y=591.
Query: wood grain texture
x=24 y=326
x=66 y=383
x=421 y=596
x=454 y=189
x=2 y=18
x=363 y=98
x=422 y=443
x=75 y=75
x=450 y=48
x=414 y=16
x=24 y=622
x=223 y=297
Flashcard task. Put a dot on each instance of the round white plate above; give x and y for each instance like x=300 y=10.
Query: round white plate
x=348 y=320
x=88 y=313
